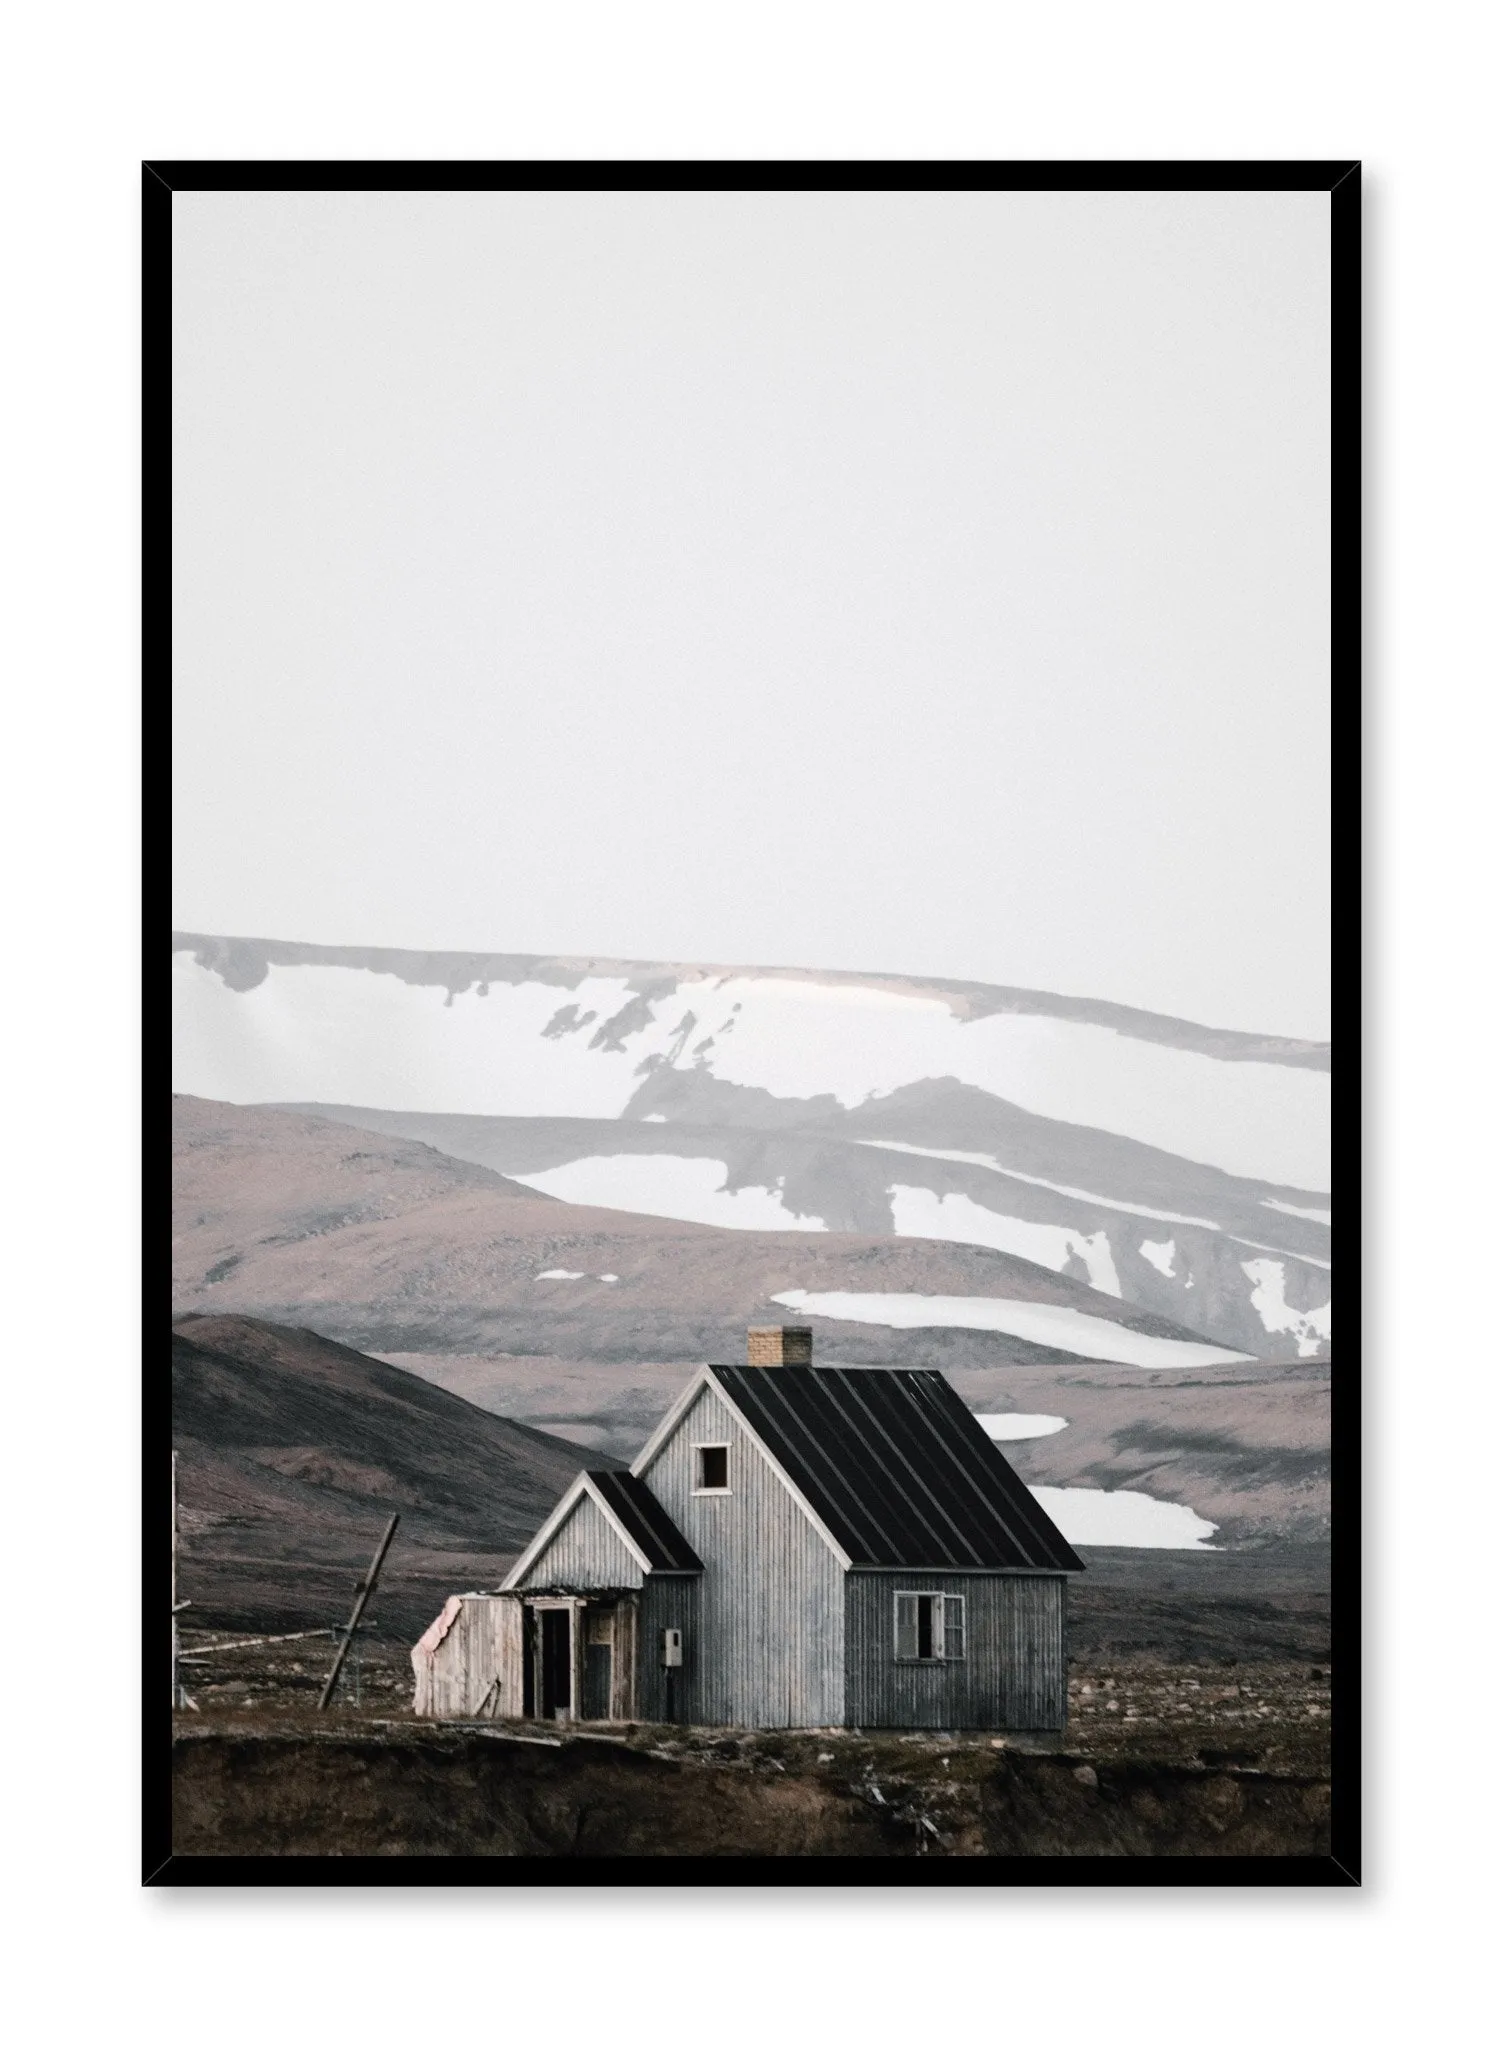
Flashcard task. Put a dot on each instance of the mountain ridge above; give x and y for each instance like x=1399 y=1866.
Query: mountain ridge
x=276 y=1208
x=243 y=962
x=1172 y=1171
x=390 y=1249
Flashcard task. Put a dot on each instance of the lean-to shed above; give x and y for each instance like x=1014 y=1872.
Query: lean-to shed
x=458 y=1662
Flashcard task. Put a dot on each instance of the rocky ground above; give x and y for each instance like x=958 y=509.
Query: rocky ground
x=1216 y=1758
x=1266 y=1715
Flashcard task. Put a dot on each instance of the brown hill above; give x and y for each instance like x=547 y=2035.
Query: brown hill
x=293 y=1450
x=395 y=1247
x=386 y=1244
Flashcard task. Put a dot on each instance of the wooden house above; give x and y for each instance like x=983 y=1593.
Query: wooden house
x=796 y=1546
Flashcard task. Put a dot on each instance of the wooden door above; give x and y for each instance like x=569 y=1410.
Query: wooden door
x=599 y=1662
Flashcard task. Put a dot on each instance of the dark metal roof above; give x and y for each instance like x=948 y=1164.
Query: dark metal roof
x=647 y=1521
x=897 y=1468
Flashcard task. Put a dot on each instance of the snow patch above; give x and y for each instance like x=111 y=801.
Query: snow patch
x=1003 y=1429
x=354 y=1034
x=1110 y=1202
x=1248 y=1117
x=1289 y=1209
x=1040 y=1322
x=1309 y=1327
x=558 y=1273
x=610 y=1279
x=1034 y=1181
x=666 y=1184
x=1305 y=1258
x=919 y=1212
x=1089 y=1515
x=347 y=1034
x=934 y=1152
x=1160 y=1255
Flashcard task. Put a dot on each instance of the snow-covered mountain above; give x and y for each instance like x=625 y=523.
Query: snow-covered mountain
x=1180 y=1169
x=586 y=1322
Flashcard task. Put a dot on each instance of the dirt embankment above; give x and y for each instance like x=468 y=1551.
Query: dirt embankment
x=1159 y=1759
x=490 y=1792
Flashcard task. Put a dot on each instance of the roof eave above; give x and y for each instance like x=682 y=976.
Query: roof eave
x=980 y=1571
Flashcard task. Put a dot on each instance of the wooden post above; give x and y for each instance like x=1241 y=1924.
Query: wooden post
x=179 y=1697
x=367 y=1587
x=576 y=1660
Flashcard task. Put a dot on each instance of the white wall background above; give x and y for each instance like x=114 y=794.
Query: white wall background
x=90 y=91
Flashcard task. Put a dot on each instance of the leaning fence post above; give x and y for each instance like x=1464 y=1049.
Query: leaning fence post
x=367 y=1587
x=179 y=1697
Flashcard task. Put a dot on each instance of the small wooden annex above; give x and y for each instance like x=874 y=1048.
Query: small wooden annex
x=796 y=1546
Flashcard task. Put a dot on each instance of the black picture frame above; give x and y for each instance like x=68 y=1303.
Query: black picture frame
x=1341 y=179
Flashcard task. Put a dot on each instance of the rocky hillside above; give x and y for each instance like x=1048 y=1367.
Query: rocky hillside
x=587 y=1322
x=297 y=1217
x=292 y=1453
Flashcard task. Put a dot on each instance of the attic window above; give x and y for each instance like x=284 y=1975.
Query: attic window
x=712 y=1468
x=928 y=1628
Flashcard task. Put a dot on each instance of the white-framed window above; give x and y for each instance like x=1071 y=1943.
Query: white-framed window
x=712 y=1468
x=928 y=1628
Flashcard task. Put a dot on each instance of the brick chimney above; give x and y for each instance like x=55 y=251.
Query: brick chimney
x=784 y=1344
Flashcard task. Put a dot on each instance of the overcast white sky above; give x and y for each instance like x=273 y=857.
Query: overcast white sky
x=924 y=582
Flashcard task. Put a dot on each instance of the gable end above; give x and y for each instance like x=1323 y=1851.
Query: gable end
x=680 y=1414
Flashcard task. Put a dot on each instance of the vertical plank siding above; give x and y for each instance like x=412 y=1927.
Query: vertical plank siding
x=507 y=1626
x=585 y=1553
x=769 y=1642
x=669 y=1602
x=1013 y=1675
x=475 y=1665
x=625 y=1639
